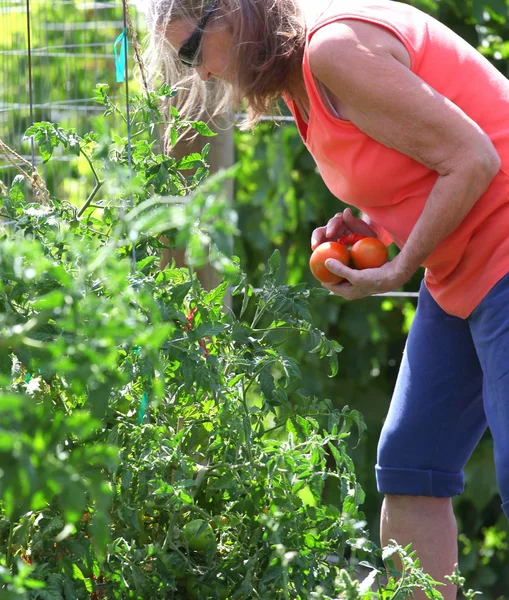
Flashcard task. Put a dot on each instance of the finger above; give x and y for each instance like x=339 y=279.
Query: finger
x=334 y=226
x=318 y=237
x=357 y=225
x=329 y=232
x=338 y=268
x=344 y=290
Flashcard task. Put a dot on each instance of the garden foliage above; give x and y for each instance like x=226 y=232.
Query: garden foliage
x=155 y=443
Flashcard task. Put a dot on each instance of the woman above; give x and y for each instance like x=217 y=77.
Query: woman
x=410 y=124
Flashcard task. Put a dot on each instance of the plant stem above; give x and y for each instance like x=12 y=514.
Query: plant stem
x=97 y=187
x=91 y=165
x=247 y=428
x=88 y=201
x=9 y=544
x=271 y=429
x=143 y=129
x=259 y=312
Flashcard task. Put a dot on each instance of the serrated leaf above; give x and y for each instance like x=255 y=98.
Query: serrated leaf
x=248 y=291
x=77 y=573
x=174 y=136
x=192 y=161
x=336 y=454
x=290 y=427
x=275 y=262
x=217 y=294
x=368 y=582
x=267 y=383
x=180 y=291
x=205 y=151
x=388 y=551
x=208 y=329
x=202 y=128
x=17 y=190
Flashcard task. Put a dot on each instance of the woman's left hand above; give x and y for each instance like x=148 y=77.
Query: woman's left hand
x=360 y=284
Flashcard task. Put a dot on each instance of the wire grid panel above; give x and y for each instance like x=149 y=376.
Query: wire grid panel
x=52 y=55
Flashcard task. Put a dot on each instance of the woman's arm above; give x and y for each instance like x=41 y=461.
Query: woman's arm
x=382 y=97
x=381 y=234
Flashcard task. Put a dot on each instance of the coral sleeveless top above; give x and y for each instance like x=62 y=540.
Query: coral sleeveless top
x=391 y=187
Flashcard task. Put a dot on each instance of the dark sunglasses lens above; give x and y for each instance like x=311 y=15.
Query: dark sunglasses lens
x=188 y=58
x=189 y=53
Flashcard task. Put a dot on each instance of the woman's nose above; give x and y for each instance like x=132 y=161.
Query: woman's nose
x=203 y=73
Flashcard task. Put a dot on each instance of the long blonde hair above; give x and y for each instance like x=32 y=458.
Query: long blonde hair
x=267 y=40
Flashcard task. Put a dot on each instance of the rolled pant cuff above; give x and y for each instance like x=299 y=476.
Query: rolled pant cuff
x=420 y=482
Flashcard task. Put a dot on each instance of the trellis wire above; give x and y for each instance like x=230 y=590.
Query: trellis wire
x=58 y=56
x=30 y=78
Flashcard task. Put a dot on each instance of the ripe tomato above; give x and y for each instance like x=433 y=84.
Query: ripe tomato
x=350 y=239
x=321 y=254
x=369 y=253
x=199 y=535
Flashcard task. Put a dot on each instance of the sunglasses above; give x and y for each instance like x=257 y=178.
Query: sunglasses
x=189 y=52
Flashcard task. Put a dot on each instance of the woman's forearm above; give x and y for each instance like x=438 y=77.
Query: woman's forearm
x=450 y=200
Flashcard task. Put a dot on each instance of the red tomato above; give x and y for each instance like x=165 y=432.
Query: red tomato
x=369 y=253
x=321 y=254
x=350 y=239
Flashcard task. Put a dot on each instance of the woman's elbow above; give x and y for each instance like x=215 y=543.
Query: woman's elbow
x=484 y=164
x=493 y=162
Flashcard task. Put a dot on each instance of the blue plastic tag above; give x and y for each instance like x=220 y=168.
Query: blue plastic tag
x=121 y=55
x=143 y=408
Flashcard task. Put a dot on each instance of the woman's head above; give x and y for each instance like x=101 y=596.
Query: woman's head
x=250 y=48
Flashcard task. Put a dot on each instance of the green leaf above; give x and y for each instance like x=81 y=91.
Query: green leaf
x=336 y=454
x=174 y=136
x=191 y=161
x=267 y=383
x=78 y=574
x=275 y=262
x=202 y=128
x=388 y=551
x=101 y=94
x=17 y=190
x=208 y=329
x=205 y=151
x=50 y=301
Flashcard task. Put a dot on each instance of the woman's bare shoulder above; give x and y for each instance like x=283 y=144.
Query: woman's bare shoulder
x=355 y=35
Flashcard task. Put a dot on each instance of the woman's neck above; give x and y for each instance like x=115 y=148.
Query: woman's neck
x=296 y=85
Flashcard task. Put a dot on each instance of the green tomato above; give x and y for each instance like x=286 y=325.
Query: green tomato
x=199 y=535
x=198 y=590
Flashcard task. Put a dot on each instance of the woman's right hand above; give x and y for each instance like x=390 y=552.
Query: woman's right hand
x=341 y=224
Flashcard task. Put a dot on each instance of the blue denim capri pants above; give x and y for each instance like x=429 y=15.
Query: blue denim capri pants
x=453 y=384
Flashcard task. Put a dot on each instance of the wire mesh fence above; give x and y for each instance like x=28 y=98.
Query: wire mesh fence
x=52 y=55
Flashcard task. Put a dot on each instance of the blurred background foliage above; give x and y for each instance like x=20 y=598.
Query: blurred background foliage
x=280 y=199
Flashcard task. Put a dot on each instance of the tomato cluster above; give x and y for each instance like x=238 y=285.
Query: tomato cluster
x=364 y=253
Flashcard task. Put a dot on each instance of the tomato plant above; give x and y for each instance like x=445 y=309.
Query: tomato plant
x=324 y=251
x=119 y=421
x=369 y=253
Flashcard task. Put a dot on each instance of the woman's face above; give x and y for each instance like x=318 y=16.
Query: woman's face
x=215 y=50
